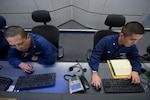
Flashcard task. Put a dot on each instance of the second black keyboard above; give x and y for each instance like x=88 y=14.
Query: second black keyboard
x=35 y=81
x=121 y=86
x=5 y=82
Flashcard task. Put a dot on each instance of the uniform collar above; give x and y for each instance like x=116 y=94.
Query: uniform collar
x=33 y=42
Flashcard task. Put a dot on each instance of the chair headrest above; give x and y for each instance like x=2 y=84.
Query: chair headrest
x=41 y=16
x=115 y=20
x=2 y=22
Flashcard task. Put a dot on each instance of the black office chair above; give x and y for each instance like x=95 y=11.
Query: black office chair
x=111 y=21
x=50 y=32
x=2 y=22
x=4 y=46
x=114 y=20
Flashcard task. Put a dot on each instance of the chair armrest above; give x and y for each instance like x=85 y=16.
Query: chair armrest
x=88 y=54
x=60 y=52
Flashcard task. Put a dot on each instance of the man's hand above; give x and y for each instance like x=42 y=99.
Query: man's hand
x=96 y=80
x=35 y=58
x=135 y=77
x=26 y=67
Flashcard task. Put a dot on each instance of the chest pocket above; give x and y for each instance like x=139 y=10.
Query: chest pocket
x=31 y=52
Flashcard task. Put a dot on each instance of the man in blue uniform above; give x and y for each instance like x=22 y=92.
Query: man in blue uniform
x=118 y=46
x=28 y=47
x=4 y=46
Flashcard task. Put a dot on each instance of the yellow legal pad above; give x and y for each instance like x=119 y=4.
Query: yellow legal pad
x=120 y=68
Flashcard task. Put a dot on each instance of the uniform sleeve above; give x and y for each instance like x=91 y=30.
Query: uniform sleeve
x=134 y=58
x=96 y=55
x=4 y=46
x=49 y=52
x=13 y=57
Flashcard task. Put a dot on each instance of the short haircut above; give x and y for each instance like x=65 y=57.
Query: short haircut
x=12 y=31
x=132 y=28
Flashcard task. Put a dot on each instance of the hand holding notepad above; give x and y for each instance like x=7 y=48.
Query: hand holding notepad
x=120 y=68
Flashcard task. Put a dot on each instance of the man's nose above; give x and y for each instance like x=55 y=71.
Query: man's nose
x=135 y=42
x=18 y=47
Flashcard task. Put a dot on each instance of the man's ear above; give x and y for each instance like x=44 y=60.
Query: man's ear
x=28 y=36
x=121 y=34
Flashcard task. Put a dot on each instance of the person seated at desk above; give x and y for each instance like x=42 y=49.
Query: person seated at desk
x=115 y=46
x=4 y=46
x=28 y=47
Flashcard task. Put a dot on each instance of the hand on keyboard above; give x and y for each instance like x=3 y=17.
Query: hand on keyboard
x=121 y=86
x=134 y=77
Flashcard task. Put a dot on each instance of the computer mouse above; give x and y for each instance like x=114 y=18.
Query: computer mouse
x=97 y=89
x=130 y=79
x=30 y=72
x=1 y=66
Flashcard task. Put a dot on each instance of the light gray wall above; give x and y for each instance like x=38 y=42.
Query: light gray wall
x=90 y=13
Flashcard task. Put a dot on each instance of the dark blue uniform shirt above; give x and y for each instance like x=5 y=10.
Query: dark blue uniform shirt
x=4 y=46
x=108 y=48
x=46 y=52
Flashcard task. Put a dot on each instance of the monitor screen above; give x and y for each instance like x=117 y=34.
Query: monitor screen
x=76 y=86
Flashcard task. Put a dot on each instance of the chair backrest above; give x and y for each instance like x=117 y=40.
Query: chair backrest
x=111 y=21
x=41 y=16
x=2 y=22
x=114 y=20
x=102 y=33
x=50 y=32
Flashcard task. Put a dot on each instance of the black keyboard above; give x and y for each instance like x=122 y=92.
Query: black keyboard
x=5 y=83
x=121 y=86
x=35 y=81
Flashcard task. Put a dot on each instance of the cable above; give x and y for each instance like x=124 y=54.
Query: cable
x=145 y=77
x=67 y=77
x=78 y=65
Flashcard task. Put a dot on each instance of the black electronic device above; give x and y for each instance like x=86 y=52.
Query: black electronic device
x=5 y=83
x=1 y=66
x=148 y=50
x=78 y=65
x=97 y=89
x=35 y=81
x=145 y=73
x=121 y=86
x=147 y=55
x=78 y=84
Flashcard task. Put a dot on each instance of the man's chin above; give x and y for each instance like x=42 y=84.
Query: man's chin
x=22 y=50
x=128 y=45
